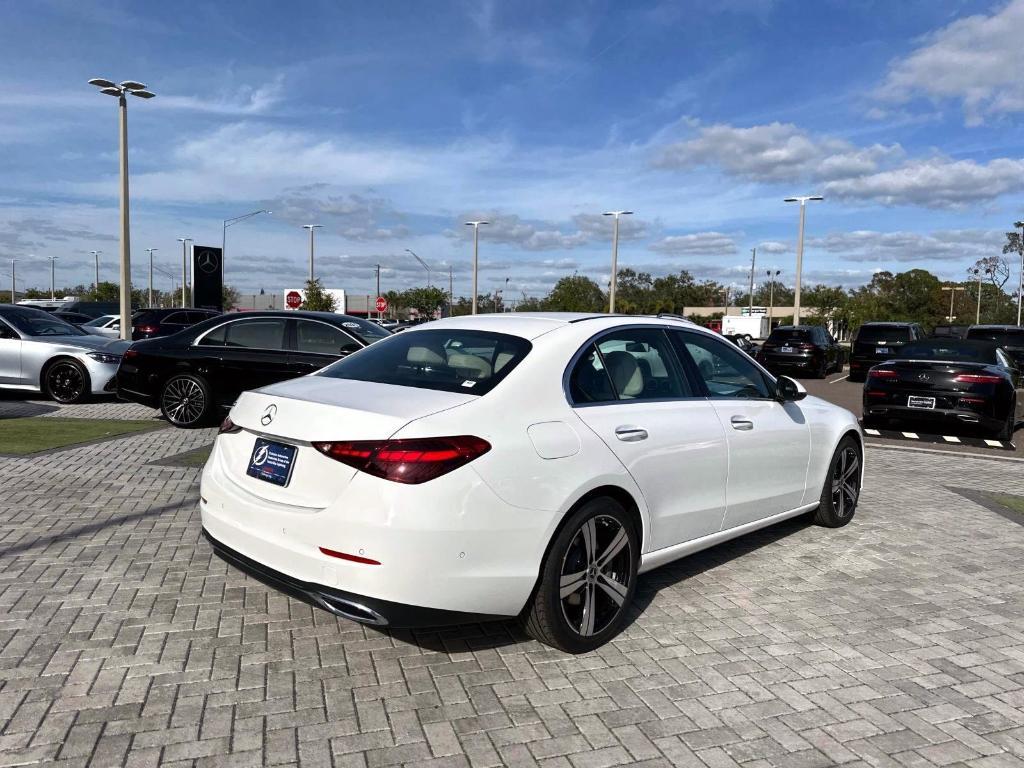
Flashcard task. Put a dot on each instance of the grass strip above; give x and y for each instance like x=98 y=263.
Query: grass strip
x=24 y=436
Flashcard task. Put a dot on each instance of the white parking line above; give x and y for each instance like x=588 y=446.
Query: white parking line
x=841 y=378
x=911 y=435
x=950 y=439
x=994 y=443
x=872 y=432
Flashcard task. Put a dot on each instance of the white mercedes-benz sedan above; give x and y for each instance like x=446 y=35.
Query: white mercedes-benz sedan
x=518 y=465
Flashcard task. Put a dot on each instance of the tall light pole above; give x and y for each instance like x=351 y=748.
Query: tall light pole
x=800 y=250
x=771 y=294
x=422 y=264
x=14 y=299
x=753 y=259
x=977 y=274
x=504 y=294
x=451 y=292
x=224 y=238
x=121 y=91
x=952 y=294
x=150 y=251
x=52 y=260
x=476 y=253
x=96 y=261
x=1020 y=280
x=184 y=266
x=380 y=314
x=312 y=228
x=615 y=257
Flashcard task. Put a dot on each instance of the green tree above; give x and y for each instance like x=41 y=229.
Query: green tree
x=317 y=299
x=426 y=301
x=229 y=296
x=576 y=293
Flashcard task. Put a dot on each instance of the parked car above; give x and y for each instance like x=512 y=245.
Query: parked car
x=505 y=465
x=1009 y=337
x=41 y=353
x=744 y=342
x=91 y=309
x=151 y=323
x=74 y=318
x=809 y=348
x=877 y=342
x=938 y=381
x=189 y=375
x=949 y=331
x=104 y=325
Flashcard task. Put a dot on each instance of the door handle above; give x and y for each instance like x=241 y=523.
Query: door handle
x=627 y=433
x=742 y=422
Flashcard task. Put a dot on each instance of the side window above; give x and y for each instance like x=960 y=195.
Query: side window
x=262 y=333
x=197 y=317
x=176 y=318
x=216 y=337
x=323 y=339
x=725 y=372
x=628 y=365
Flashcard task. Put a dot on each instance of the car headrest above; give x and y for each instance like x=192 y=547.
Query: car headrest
x=426 y=355
x=625 y=374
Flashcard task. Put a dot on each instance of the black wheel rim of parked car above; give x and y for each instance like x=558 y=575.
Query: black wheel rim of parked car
x=846 y=482
x=594 y=580
x=65 y=382
x=184 y=401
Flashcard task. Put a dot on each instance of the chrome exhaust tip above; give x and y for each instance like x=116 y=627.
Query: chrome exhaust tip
x=350 y=610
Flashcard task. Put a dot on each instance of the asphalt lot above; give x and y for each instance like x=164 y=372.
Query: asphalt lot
x=895 y=641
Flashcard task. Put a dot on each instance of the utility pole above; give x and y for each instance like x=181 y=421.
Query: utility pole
x=615 y=257
x=184 y=266
x=476 y=253
x=150 y=251
x=52 y=259
x=753 y=259
x=803 y=200
x=977 y=317
x=96 y=260
x=311 y=228
x=379 y=313
x=14 y=299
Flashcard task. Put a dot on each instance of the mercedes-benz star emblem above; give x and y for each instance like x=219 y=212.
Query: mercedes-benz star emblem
x=268 y=415
x=924 y=377
x=208 y=262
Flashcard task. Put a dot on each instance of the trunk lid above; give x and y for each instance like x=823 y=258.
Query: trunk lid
x=317 y=408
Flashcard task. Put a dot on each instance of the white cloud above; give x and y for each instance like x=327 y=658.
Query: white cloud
x=775 y=152
x=354 y=217
x=977 y=61
x=698 y=243
x=773 y=246
x=965 y=245
x=510 y=229
x=934 y=183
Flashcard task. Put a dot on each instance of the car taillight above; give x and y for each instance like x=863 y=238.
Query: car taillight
x=883 y=374
x=976 y=378
x=145 y=329
x=228 y=427
x=805 y=346
x=130 y=353
x=411 y=460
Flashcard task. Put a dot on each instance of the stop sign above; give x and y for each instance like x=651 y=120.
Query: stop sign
x=293 y=299
x=382 y=304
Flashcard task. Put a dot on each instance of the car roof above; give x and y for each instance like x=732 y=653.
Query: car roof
x=15 y=309
x=530 y=325
x=888 y=322
x=997 y=327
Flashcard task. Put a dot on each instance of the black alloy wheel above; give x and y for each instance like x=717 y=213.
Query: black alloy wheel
x=841 y=491
x=587 y=580
x=1006 y=431
x=185 y=401
x=67 y=382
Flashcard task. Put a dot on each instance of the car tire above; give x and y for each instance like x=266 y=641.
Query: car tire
x=1006 y=431
x=597 y=552
x=67 y=382
x=841 y=490
x=186 y=401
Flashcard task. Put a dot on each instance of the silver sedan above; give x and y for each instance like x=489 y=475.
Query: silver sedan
x=42 y=353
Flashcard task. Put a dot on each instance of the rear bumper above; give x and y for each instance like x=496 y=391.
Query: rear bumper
x=348 y=605
x=951 y=416
x=790 y=362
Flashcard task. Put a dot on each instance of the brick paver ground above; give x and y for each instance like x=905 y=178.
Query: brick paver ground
x=896 y=641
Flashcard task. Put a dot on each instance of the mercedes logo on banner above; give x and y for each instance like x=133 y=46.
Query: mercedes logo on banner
x=207 y=278
x=208 y=261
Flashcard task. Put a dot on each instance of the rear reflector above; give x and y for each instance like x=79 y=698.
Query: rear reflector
x=876 y=393
x=413 y=460
x=977 y=378
x=347 y=556
x=883 y=374
x=228 y=427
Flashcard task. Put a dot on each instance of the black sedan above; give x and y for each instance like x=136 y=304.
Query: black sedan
x=808 y=348
x=151 y=323
x=188 y=375
x=947 y=380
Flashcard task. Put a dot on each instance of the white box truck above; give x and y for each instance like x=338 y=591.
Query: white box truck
x=756 y=326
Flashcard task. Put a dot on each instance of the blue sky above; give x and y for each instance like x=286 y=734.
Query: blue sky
x=392 y=123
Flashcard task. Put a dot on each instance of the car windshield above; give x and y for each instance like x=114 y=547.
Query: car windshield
x=890 y=334
x=451 y=360
x=39 y=323
x=783 y=335
x=952 y=350
x=1004 y=337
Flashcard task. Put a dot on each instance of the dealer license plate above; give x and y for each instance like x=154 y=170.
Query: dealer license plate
x=272 y=461
x=916 y=401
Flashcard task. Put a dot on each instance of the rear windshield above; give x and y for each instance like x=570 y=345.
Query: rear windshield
x=451 y=360
x=892 y=334
x=781 y=335
x=951 y=349
x=368 y=332
x=1004 y=337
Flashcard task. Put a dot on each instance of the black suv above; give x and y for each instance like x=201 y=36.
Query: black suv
x=151 y=323
x=877 y=342
x=809 y=348
x=1009 y=337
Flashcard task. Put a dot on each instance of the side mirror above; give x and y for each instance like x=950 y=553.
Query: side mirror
x=789 y=390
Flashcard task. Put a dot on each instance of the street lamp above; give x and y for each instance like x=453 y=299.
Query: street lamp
x=476 y=253
x=184 y=266
x=311 y=228
x=1020 y=280
x=224 y=238
x=952 y=294
x=615 y=257
x=772 y=277
x=977 y=274
x=52 y=259
x=150 y=251
x=121 y=91
x=422 y=264
x=96 y=259
x=14 y=299
x=803 y=200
